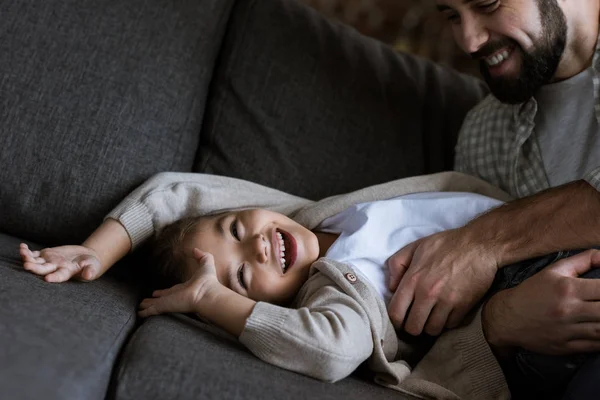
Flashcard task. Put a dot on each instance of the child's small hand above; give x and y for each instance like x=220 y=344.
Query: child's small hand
x=59 y=264
x=184 y=297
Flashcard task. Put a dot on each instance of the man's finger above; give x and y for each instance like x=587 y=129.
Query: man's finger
x=400 y=302
x=582 y=346
x=398 y=264
x=418 y=314
x=578 y=264
x=456 y=316
x=437 y=319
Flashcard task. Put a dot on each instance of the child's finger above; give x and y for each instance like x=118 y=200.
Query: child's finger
x=148 y=312
x=39 y=269
x=60 y=275
x=88 y=273
x=26 y=255
x=166 y=292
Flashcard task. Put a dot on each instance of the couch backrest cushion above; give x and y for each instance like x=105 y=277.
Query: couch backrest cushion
x=313 y=108
x=95 y=97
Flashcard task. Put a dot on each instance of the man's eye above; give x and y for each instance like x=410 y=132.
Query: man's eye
x=240 y=276
x=488 y=6
x=454 y=18
x=233 y=229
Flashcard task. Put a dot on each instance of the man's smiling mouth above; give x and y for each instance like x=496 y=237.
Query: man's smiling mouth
x=498 y=57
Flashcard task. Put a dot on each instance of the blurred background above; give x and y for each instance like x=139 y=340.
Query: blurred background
x=413 y=26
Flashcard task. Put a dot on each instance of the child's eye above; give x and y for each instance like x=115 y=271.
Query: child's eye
x=233 y=229
x=240 y=276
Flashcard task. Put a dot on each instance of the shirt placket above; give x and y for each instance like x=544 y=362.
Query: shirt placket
x=528 y=173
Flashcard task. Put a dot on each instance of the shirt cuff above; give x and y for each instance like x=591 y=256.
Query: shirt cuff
x=137 y=221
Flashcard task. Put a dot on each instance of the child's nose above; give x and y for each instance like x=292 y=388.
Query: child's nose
x=261 y=248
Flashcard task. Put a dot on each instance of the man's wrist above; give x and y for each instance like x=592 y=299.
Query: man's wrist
x=478 y=240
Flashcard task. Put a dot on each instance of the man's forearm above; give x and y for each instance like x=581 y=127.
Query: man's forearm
x=566 y=217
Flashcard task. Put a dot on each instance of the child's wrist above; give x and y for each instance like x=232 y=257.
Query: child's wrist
x=209 y=296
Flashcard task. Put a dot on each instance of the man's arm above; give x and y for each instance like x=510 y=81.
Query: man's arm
x=566 y=217
x=442 y=276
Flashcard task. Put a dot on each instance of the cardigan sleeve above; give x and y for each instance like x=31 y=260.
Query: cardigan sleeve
x=170 y=196
x=327 y=337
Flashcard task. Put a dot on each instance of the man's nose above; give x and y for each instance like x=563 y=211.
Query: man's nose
x=260 y=248
x=473 y=34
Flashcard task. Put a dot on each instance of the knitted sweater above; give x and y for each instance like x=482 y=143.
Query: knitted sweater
x=337 y=320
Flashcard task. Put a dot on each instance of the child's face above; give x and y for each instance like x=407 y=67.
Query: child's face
x=247 y=249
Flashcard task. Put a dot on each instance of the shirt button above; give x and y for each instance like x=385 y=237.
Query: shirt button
x=351 y=277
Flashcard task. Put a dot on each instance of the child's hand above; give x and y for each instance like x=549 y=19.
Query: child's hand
x=59 y=264
x=184 y=297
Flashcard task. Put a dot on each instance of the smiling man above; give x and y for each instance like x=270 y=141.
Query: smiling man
x=537 y=137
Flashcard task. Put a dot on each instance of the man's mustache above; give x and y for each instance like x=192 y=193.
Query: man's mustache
x=491 y=48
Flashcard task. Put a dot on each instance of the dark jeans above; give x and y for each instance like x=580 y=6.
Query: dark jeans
x=537 y=376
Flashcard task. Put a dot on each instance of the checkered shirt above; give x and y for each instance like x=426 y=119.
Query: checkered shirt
x=497 y=145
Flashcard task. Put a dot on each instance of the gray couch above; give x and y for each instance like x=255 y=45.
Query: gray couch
x=96 y=96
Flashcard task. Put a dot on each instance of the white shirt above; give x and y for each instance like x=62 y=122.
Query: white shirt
x=371 y=232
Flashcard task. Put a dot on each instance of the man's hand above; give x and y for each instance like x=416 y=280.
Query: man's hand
x=437 y=280
x=184 y=297
x=59 y=264
x=553 y=312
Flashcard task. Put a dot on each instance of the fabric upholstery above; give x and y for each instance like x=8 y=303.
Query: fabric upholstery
x=59 y=341
x=176 y=357
x=97 y=96
x=313 y=108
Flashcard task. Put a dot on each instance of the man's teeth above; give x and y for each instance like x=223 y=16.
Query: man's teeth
x=497 y=58
x=282 y=251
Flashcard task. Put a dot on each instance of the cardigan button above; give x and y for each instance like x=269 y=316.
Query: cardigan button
x=351 y=277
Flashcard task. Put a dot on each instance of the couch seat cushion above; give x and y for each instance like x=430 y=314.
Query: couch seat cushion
x=176 y=357
x=59 y=341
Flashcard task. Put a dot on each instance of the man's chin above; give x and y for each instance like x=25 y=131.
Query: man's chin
x=510 y=94
x=508 y=90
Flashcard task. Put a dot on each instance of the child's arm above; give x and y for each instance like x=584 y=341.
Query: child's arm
x=160 y=201
x=107 y=245
x=327 y=338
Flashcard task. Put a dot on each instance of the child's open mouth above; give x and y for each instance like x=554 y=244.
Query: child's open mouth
x=287 y=249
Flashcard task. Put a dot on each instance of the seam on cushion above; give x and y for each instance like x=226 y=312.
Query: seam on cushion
x=209 y=135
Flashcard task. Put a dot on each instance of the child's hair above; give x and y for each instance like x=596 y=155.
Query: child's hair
x=168 y=251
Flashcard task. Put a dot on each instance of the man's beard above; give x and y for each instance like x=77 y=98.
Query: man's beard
x=537 y=67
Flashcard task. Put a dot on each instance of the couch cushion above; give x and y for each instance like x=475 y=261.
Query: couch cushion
x=176 y=357
x=313 y=108
x=97 y=96
x=59 y=341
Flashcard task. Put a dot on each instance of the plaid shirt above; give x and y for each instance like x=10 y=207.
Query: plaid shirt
x=496 y=143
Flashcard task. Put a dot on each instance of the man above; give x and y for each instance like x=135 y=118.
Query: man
x=537 y=137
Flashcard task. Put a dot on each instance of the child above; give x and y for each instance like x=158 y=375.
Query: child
x=239 y=267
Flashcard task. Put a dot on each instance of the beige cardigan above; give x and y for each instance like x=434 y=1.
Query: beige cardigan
x=337 y=321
